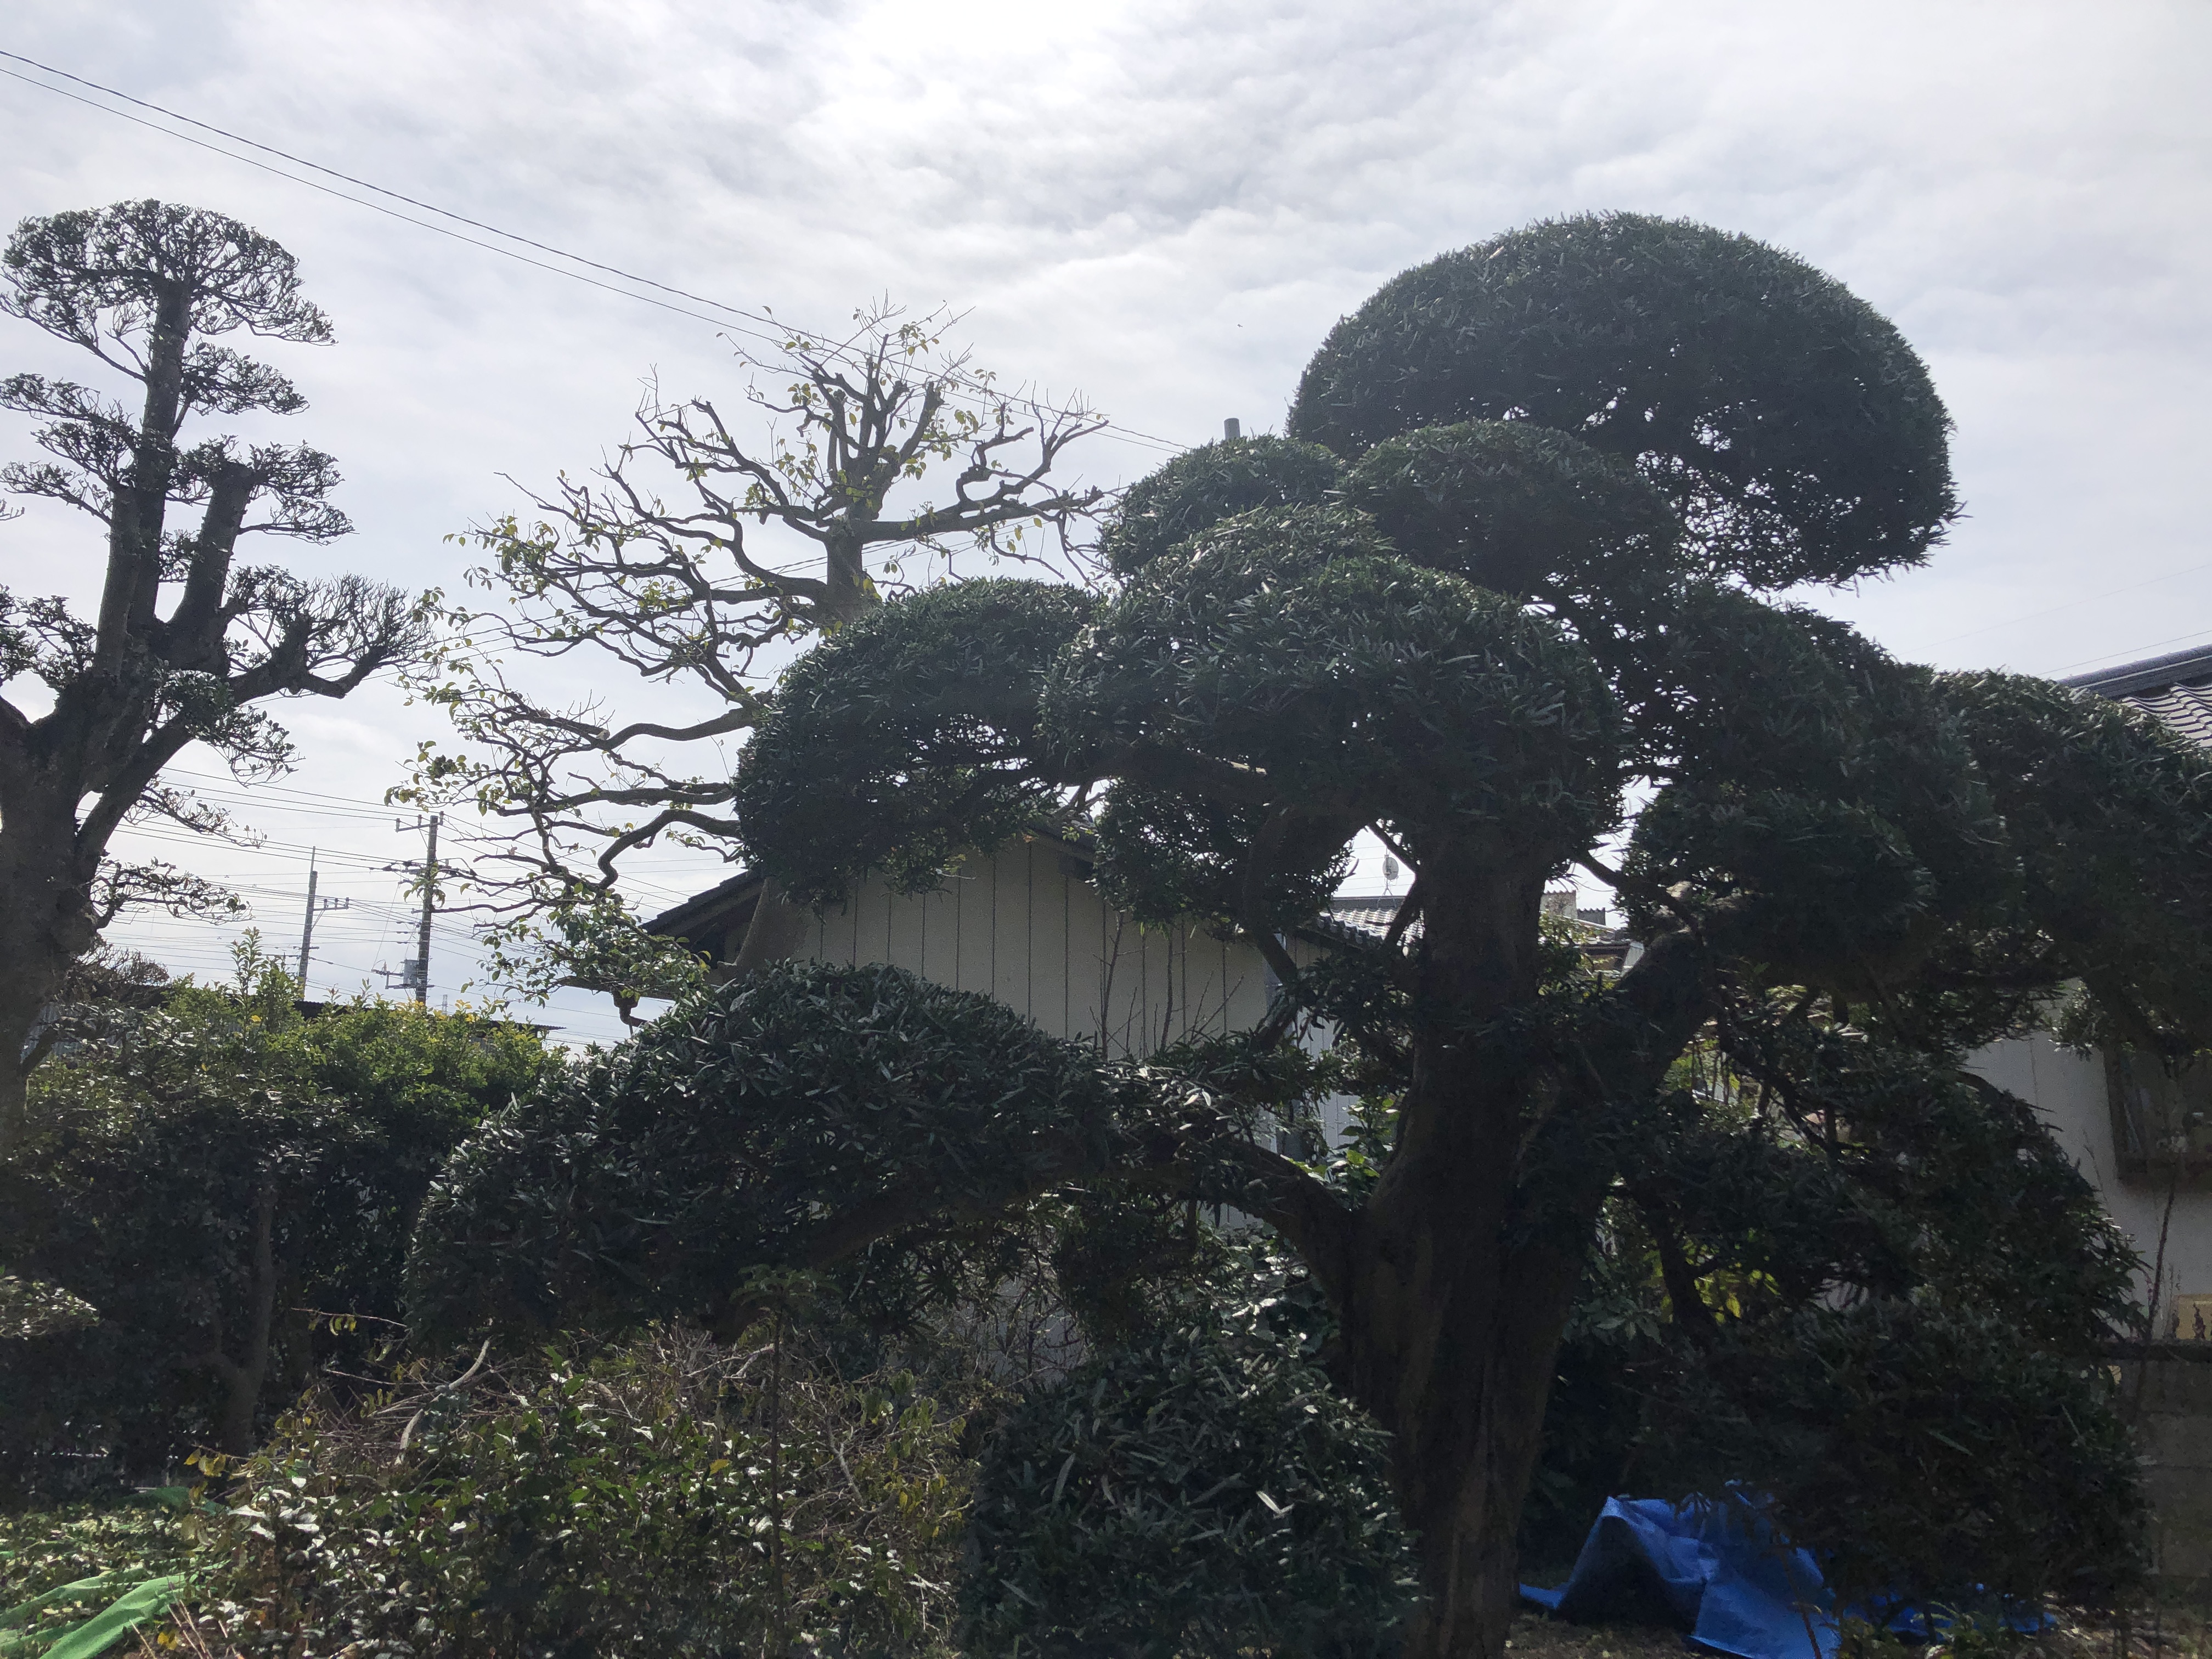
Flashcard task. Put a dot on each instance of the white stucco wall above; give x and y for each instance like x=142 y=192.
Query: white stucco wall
x=2069 y=1091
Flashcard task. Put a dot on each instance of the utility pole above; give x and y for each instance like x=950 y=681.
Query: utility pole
x=429 y=902
x=415 y=971
x=308 y=926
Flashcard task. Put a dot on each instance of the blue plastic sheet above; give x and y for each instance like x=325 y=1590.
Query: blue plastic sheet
x=1715 y=1569
x=1718 y=1570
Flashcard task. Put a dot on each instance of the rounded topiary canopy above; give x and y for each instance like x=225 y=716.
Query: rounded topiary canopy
x=62 y=271
x=648 y=1184
x=1204 y=1493
x=1797 y=431
x=1294 y=641
x=1517 y=508
x=881 y=754
x=1201 y=487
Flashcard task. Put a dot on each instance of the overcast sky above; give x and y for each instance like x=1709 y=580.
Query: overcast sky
x=1161 y=207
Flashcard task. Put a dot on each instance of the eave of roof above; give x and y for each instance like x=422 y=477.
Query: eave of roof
x=2187 y=667
x=2186 y=708
x=702 y=909
x=678 y=920
x=2176 y=688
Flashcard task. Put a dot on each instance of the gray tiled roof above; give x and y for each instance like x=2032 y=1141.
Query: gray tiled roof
x=2187 y=708
x=1366 y=920
x=2176 y=687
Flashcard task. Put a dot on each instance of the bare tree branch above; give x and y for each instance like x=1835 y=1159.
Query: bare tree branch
x=696 y=557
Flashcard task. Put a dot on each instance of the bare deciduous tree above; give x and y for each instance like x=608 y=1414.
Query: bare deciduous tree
x=887 y=459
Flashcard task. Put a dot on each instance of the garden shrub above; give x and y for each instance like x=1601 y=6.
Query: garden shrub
x=670 y=1498
x=658 y=1176
x=1200 y=1492
x=1926 y=1451
x=196 y=1179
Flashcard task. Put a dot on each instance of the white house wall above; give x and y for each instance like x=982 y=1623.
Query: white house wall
x=2069 y=1091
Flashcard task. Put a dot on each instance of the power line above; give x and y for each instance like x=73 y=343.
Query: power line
x=2110 y=656
x=361 y=863
x=2085 y=599
x=782 y=331
x=261 y=849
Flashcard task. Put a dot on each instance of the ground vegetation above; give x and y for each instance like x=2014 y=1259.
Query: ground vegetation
x=212 y=1198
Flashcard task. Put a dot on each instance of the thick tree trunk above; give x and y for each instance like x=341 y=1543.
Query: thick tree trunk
x=1459 y=1274
x=244 y=1378
x=1472 y=1390
x=45 y=923
x=1441 y=1342
x=776 y=931
x=1452 y=1339
x=778 y=926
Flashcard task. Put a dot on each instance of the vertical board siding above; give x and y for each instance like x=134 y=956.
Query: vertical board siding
x=1022 y=925
x=972 y=919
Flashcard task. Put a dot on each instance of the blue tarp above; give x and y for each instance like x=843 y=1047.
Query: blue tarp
x=1715 y=1569
x=1718 y=1571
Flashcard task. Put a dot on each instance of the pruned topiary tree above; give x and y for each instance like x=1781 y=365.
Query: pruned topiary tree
x=186 y=641
x=1514 y=562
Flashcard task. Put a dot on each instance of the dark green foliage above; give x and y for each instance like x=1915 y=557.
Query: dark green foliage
x=1903 y=1175
x=2108 y=813
x=1958 y=844
x=1796 y=431
x=201 y=1175
x=1522 y=509
x=1201 y=1492
x=64 y=270
x=665 y=1499
x=902 y=739
x=1846 y=1274
x=1203 y=486
x=1575 y=455
x=1292 y=641
x=416 y=1083
x=736 y=1134
x=1163 y=857
x=1823 y=805
x=1113 y=1253
x=1924 y=1449
x=149 y=1208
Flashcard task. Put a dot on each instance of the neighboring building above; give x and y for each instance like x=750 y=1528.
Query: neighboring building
x=1025 y=924
x=2144 y=1141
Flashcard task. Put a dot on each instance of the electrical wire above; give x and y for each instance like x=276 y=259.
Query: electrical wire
x=2073 y=603
x=782 y=331
x=2122 y=656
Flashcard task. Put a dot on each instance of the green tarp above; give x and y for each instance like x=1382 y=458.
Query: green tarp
x=21 y=1638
